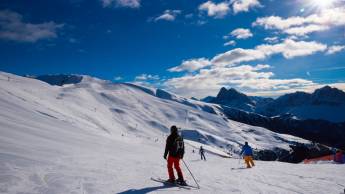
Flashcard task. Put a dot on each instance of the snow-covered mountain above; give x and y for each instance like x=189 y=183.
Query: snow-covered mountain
x=325 y=103
x=119 y=108
x=321 y=131
x=318 y=116
x=232 y=98
x=94 y=136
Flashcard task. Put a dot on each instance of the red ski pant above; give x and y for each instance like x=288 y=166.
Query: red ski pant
x=174 y=161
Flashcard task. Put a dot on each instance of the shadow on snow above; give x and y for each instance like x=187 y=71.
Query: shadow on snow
x=146 y=189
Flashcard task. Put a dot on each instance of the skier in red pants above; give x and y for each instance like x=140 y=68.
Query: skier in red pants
x=175 y=148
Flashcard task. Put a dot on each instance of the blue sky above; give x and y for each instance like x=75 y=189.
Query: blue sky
x=193 y=48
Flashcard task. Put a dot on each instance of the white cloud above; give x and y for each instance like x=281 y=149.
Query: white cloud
x=288 y=48
x=215 y=10
x=237 y=55
x=241 y=33
x=305 y=88
x=244 y=5
x=146 y=77
x=271 y=40
x=252 y=80
x=148 y=80
x=230 y=43
x=334 y=49
x=272 y=84
x=191 y=65
x=13 y=28
x=244 y=77
x=276 y=22
x=118 y=78
x=121 y=3
x=305 y=30
x=168 y=15
x=293 y=37
x=301 y=26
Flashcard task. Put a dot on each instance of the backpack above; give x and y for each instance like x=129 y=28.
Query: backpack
x=179 y=146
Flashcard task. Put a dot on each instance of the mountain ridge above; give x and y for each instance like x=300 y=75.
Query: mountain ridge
x=316 y=105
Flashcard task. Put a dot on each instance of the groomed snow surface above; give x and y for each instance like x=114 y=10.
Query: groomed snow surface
x=96 y=137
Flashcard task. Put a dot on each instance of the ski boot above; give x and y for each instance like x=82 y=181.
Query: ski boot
x=181 y=182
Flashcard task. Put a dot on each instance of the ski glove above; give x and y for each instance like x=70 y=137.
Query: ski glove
x=165 y=157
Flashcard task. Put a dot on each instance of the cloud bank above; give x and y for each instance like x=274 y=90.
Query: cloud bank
x=302 y=26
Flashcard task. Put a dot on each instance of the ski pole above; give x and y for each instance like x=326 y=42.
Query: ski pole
x=191 y=174
x=239 y=159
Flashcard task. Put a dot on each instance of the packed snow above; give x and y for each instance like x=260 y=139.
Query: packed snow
x=100 y=137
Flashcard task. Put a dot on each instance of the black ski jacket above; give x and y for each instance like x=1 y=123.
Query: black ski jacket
x=171 y=147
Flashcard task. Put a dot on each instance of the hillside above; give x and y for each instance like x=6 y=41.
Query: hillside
x=100 y=137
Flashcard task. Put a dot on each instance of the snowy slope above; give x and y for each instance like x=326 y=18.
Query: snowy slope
x=109 y=109
x=98 y=137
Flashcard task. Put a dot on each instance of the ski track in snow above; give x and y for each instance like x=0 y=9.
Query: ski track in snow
x=104 y=172
x=57 y=140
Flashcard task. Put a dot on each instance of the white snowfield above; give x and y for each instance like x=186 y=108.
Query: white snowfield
x=99 y=137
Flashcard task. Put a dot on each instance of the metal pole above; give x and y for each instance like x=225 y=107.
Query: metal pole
x=239 y=159
x=191 y=173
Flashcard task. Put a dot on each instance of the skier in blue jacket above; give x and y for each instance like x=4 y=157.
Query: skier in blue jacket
x=247 y=152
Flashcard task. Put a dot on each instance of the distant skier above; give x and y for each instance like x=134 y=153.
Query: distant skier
x=202 y=153
x=175 y=148
x=334 y=152
x=247 y=152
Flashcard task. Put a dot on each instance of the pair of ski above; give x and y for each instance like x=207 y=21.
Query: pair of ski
x=165 y=182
